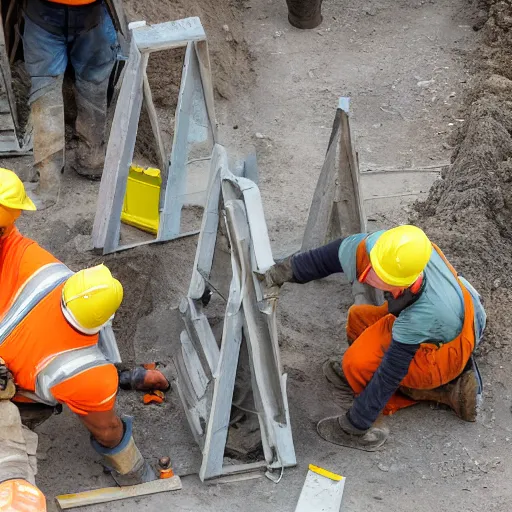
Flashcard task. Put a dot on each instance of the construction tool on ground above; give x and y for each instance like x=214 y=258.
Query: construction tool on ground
x=108 y=494
x=322 y=491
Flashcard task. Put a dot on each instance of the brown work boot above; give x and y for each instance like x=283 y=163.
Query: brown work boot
x=333 y=372
x=47 y=114
x=460 y=395
x=89 y=160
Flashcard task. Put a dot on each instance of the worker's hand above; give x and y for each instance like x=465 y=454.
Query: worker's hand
x=348 y=428
x=21 y=495
x=125 y=461
x=7 y=387
x=280 y=273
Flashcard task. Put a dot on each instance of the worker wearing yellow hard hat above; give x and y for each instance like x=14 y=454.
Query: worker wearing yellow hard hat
x=417 y=345
x=13 y=199
x=57 y=341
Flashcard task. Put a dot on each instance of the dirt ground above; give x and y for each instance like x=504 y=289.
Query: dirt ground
x=418 y=77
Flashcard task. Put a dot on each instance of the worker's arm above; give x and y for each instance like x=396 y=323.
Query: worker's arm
x=306 y=266
x=92 y=395
x=385 y=381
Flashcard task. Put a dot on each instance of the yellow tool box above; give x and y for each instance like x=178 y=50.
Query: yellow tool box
x=142 y=199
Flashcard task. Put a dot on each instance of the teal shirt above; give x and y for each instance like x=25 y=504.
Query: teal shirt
x=438 y=314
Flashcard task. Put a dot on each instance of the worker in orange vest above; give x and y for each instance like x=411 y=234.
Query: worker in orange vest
x=82 y=33
x=418 y=345
x=56 y=338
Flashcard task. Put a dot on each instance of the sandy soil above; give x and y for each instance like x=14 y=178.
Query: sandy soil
x=406 y=67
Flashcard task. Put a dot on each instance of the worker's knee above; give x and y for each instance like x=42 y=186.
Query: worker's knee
x=110 y=435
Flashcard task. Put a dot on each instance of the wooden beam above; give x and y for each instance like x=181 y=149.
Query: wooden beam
x=171 y=34
x=108 y=494
x=121 y=145
x=224 y=384
x=155 y=125
x=209 y=225
x=170 y=218
x=203 y=57
x=322 y=490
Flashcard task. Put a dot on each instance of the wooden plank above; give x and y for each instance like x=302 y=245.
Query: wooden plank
x=170 y=218
x=224 y=384
x=5 y=75
x=234 y=469
x=242 y=477
x=321 y=491
x=155 y=125
x=193 y=366
x=348 y=175
x=209 y=225
x=81 y=499
x=270 y=396
x=203 y=57
x=201 y=336
x=119 y=156
x=320 y=211
x=171 y=34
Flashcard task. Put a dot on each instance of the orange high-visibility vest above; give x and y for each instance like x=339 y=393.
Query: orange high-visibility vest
x=50 y=360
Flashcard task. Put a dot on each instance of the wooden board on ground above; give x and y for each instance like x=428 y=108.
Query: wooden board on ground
x=81 y=499
x=322 y=491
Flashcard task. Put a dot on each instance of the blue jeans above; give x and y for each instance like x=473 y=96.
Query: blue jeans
x=55 y=33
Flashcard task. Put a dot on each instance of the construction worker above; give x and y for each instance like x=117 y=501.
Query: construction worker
x=18 y=463
x=418 y=345
x=82 y=32
x=56 y=339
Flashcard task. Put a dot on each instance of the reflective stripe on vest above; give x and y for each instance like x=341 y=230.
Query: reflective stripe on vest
x=64 y=365
x=40 y=284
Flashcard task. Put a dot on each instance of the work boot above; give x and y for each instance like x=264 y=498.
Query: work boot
x=305 y=14
x=91 y=103
x=460 y=395
x=47 y=113
x=333 y=372
x=338 y=430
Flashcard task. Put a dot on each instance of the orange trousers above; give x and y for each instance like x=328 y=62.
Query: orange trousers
x=369 y=330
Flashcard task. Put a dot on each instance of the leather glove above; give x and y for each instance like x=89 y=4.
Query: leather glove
x=125 y=461
x=7 y=387
x=347 y=427
x=280 y=273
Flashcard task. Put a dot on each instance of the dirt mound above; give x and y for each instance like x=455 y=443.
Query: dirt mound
x=469 y=211
x=222 y=22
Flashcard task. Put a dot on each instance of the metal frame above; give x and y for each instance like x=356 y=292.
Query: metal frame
x=206 y=374
x=194 y=112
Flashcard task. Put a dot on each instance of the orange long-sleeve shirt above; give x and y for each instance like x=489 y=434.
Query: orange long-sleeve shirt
x=45 y=333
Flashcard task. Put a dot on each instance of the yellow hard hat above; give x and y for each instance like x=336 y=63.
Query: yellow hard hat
x=12 y=192
x=91 y=297
x=400 y=255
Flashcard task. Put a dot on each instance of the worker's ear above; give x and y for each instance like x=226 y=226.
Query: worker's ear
x=2 y=231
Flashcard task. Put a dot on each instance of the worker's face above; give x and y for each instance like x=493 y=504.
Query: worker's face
x=8 y=217
x=374 y=280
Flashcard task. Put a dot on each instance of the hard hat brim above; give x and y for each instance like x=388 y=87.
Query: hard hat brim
x=26 y=205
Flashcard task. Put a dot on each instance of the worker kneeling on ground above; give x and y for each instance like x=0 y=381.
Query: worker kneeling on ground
x=55 y=337
x=418 y=345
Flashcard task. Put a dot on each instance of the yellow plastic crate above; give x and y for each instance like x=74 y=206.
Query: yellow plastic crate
x=142 y=199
